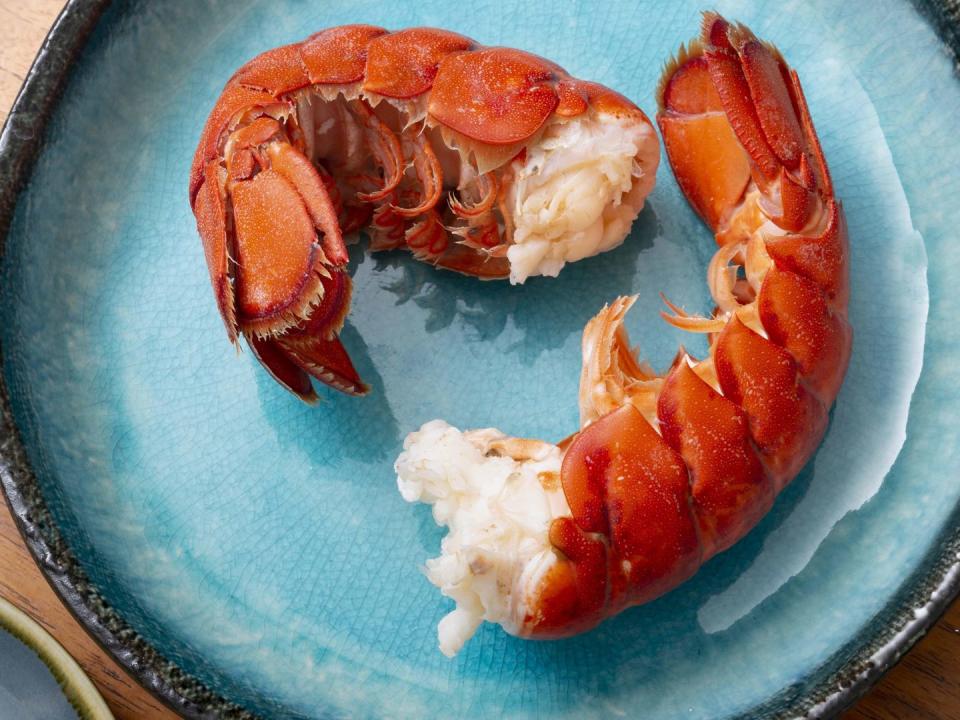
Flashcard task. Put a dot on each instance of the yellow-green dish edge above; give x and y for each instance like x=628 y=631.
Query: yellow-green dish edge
x=76 y=686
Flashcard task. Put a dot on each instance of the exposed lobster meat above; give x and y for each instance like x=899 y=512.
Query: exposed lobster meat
x=357 y=127
x=665 y=472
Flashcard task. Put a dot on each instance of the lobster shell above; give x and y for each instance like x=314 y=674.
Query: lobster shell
x=658 y=486
x=272 y=221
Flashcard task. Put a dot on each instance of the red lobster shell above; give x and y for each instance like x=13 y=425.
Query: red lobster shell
x=732 y=430
x=359 y=127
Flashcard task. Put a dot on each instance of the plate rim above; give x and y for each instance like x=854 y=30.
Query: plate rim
x=923 y=599
x=73 y=681
x=21 y=139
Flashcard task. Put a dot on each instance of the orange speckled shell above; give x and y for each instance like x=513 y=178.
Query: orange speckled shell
x=404 y=64
x=648 y=508
x=496 y=96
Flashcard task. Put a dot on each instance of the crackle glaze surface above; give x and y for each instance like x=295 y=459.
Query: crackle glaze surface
x=262 y=545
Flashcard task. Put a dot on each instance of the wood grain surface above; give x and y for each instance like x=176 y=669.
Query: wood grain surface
x=924 y=686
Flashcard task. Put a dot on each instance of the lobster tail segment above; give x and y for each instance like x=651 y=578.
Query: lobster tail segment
x=275 y=251
x=710 y=165
x=732 y=117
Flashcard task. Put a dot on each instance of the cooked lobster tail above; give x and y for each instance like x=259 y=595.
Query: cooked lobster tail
x=430 y=142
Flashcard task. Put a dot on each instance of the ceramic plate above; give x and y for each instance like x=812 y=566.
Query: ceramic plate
x=238 y=549
x=38 y=678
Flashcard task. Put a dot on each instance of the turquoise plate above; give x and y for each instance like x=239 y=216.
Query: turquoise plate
x=238 y=549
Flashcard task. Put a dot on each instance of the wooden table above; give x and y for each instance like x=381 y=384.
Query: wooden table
x=925 y=685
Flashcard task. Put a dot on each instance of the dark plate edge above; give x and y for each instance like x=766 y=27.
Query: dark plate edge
x=20 y=141
x=900 y=626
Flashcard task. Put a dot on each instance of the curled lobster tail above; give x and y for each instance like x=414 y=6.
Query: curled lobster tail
x=744 y=421
x=360 y=127
x=668 y=471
